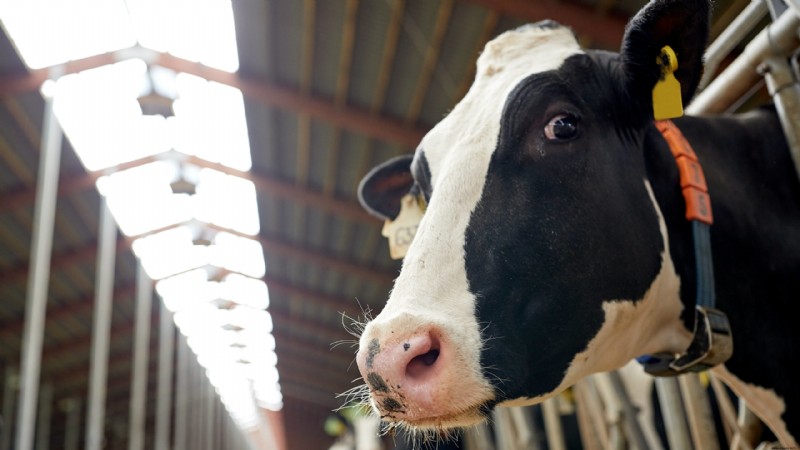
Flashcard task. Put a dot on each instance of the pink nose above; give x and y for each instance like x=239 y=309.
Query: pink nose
x=402 y=372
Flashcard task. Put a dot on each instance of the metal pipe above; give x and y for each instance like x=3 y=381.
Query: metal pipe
x=141 y=345
x=166 y=347
x=38 y=276
x=10 y=387
x=672 y=409
x=45 y=414
x=698 y=412
x=552 y=425
x=104 y=286
x=182 y=393
x=211 y=404
x=743 y=24
x=778 y=39
x=785 y=92
x=629 y=413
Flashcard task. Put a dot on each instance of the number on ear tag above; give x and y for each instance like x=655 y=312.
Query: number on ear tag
x=667 y=102
x=401 y=231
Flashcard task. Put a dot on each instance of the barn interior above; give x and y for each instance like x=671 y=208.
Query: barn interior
x=305 y=97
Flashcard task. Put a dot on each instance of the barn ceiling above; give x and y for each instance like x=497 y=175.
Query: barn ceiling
x=331 y=88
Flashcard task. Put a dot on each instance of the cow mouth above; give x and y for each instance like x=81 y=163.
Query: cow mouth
x=466 y=417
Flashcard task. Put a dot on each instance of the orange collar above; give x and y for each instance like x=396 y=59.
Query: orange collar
x=693 y=182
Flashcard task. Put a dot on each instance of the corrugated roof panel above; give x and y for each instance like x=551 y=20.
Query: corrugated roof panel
x=286 y=40
x=354 y=150
x=372 y=26
x=286 y=143
x=457 y=56
x=264 y=150
x=328 y=34
x=415 y=40
x=321 y=153
x=253 y=37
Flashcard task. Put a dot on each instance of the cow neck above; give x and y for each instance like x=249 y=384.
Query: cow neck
x=711 y=341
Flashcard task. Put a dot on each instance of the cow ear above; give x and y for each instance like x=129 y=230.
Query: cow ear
x=381 y=190
x=680 y=24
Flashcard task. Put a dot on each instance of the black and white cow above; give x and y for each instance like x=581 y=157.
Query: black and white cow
x=554 y=244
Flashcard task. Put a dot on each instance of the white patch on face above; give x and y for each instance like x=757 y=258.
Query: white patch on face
x=632 y=328
x=433 y=285
x=433 y=280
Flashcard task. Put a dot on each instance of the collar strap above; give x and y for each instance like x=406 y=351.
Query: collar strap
x=693 y=182
x=711 y=341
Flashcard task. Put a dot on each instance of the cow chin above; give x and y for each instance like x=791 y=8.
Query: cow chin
x=466 y=417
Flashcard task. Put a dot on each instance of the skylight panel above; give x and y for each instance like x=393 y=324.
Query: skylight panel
x=197 y=30
x=238 y=254
x=50 y=32
x=210 y=122
x=227 y=201
x=141 y=199
x=170 y=252
x=98 y=111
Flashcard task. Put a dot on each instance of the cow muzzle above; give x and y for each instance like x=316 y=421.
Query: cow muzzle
x=417 y=375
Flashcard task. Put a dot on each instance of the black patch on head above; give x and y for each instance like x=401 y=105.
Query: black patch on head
x=422 y=174
x=560 y=228
x=376 y=382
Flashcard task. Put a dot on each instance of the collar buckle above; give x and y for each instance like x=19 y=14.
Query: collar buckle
x=711 y=345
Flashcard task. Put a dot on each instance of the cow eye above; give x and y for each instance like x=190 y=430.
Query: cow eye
x=561 y=127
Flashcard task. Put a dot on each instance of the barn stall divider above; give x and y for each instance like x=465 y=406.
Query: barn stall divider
x=617 y=410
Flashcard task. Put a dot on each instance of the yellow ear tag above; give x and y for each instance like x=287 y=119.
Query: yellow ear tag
x=401 y=231
x=667 y=103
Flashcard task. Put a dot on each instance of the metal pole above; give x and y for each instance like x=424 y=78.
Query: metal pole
x=670 y=397
x=552 y=425
x=731 y=37
x=141 y=346
x=104 y=286
x=182 y=393
x=38 y=276
x=195 y=403
x=208 y=425
x=779 y=38
x=698 y=411
x=9 y=396
x=45 y=412
x=73 y=426
x=166 y=347
x=785 y=93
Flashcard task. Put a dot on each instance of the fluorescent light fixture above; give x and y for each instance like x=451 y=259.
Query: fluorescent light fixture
x=210 y=122
x=50 y=32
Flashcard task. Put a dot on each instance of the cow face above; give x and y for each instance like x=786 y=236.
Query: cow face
x=542 y=255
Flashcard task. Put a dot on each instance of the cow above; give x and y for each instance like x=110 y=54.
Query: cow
x=554 y=243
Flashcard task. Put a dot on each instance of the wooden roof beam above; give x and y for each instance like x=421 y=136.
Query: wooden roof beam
x=269 y=94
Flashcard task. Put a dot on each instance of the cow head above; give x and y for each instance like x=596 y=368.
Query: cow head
x=542 y=255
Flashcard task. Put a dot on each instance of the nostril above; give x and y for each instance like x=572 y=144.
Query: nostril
x=420 y=364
